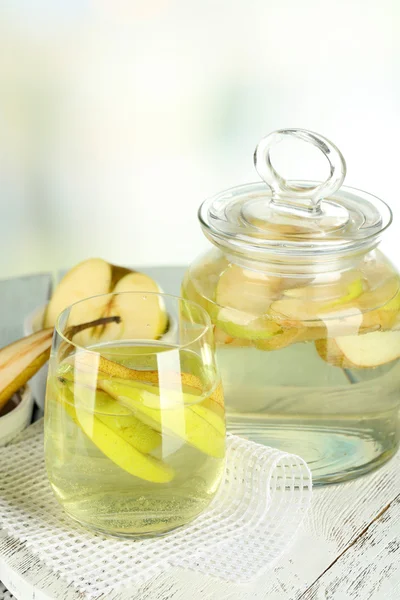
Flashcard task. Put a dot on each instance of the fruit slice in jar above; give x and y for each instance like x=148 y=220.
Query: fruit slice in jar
x=239 y=324
x=381 y=306
x=371 y=349
x=367 y=350
x=350 y=286
x=95 y=276
x=112 y=445
x=244 y=297
x=312 y=302
x=244 y=290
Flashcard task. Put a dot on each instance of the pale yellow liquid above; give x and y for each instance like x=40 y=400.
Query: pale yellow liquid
x=340 y=421
x=101 y=495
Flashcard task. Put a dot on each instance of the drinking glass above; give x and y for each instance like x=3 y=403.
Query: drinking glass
x=134 y=415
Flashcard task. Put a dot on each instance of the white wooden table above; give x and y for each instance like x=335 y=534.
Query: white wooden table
x=348 y=548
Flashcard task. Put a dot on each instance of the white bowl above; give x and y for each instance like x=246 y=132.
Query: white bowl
x=37 y=383
x=15 y=421
x=34 y=321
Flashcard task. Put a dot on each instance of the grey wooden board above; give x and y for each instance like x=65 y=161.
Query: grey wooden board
x=18 y=298
x=348 y=548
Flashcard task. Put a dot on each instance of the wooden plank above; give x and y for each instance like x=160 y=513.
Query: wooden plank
x=370 y=567
x=339 y=515
x=338 y=522
x=18 y=298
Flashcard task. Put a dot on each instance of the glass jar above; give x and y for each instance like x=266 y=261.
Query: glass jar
x=306 y=313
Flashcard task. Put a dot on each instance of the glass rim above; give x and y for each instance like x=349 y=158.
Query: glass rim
x=206 y=327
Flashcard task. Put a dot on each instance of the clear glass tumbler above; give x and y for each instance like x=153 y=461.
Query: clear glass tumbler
x=134 y=427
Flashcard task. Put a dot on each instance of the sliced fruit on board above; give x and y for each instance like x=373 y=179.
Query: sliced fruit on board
x=95 y=276
x=194 y=427
x=112 y=445
x=20 y=360
x=89 y=278
x=142 y=316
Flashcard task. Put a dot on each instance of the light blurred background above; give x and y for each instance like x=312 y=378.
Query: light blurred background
x=118 y=117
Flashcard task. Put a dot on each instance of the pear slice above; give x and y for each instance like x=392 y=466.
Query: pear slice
x=89 y=278
x=117 y=417
x=350 y=286
x=170 y=399
x=245 y=290
x=239 y=324
x=309 y=304
x=115 y=447
x=330 y=352
x=381 y=306
x=20 y=360
x=142 y=317
x=191 y=426
x=92 y=362
x=370 y=349
x=210 y=408
x=95 y=277
x=222 y=338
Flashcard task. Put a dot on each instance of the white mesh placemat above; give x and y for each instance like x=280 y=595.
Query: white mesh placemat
x=258 y=508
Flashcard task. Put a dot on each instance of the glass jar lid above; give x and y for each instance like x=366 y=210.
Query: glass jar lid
x=294 y=217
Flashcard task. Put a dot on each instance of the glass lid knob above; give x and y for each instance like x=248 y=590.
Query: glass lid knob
x=288 y=195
